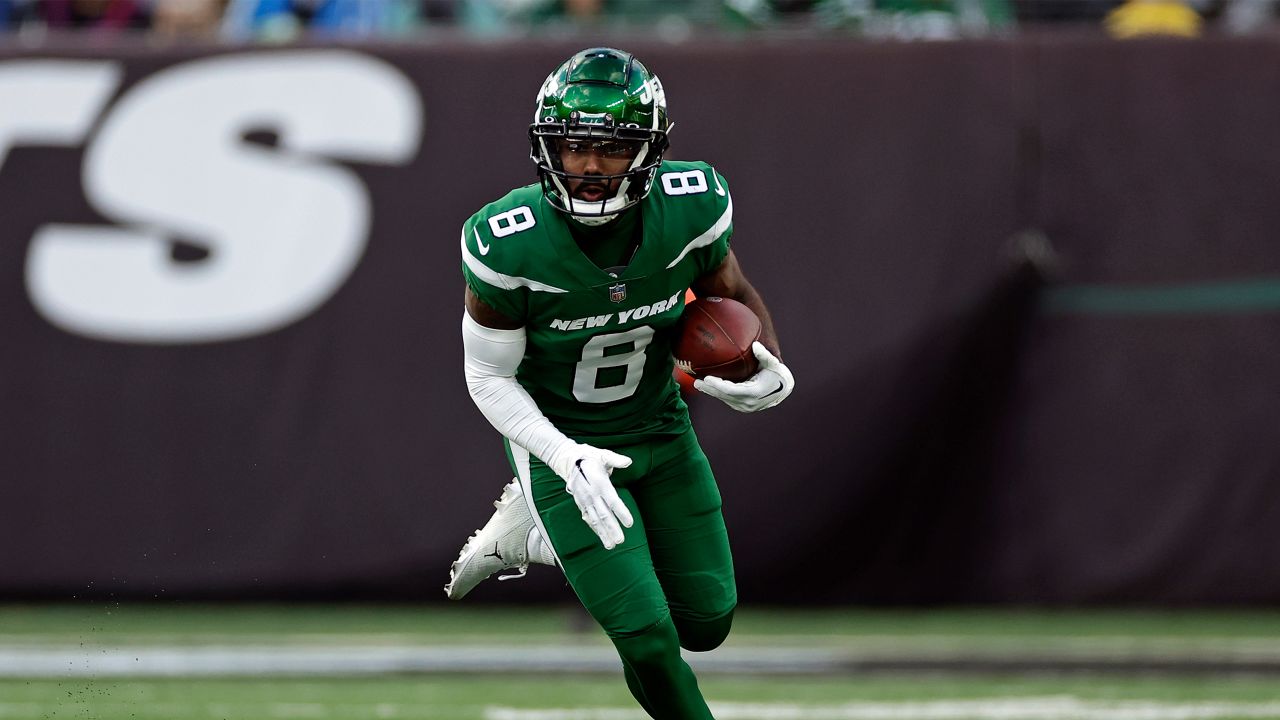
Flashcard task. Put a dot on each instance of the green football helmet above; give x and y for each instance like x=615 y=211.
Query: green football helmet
x=605 y=97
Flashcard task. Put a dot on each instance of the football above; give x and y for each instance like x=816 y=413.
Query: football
x=714 y=337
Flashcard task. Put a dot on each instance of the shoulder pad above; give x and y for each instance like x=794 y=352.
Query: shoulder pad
x=694 y=181
x=697 y=205
x=499 y=240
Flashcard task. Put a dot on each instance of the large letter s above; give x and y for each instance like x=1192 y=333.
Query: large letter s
x=283 y=229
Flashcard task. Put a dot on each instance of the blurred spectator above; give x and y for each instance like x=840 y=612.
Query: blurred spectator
x=900 y=19
x=1240 y=17
x=99 y=15
x=187 y=19
x=1063 y=11
x=286 y=20
x=1137 y=18
x=574 y=14
x=496 y=17
x=589 y=10
x=13 y=13
x=671 y=20
x=764 y=13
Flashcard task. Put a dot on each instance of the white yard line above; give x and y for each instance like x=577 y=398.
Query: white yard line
x=243 y=660
x=882 y=645
x=1027 y=708
x=246 y=661
x=746 y=636
x=1074 y=645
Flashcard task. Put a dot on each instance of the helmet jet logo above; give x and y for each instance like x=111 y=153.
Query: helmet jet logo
x=652 y=92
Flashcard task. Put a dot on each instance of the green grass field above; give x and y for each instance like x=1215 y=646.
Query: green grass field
x=1230 y=664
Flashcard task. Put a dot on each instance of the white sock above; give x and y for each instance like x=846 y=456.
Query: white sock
x=539 y=549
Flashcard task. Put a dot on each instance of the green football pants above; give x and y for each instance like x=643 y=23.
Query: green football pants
x=670 y=583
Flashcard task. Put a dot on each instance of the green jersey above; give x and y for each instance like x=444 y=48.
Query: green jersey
x=598 y=355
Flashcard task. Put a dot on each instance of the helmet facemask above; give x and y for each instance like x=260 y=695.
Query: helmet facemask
x=644 y=147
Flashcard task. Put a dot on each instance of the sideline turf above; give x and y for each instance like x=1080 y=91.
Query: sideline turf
x=170 y=623
x=464 y=698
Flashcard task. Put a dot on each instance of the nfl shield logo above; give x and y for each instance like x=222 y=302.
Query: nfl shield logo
x=618 y=293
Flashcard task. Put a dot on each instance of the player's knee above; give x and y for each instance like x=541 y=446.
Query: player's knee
x=703 y=635
x=654 y=648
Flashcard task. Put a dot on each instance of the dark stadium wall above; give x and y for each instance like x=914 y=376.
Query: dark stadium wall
x=1029 y=290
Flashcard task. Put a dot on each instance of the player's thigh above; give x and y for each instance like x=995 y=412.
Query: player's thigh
x=687 y=537
x=617 y=587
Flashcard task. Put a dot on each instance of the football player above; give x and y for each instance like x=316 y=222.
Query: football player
x=573 y=287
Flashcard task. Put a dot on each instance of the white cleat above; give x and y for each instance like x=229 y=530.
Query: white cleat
x=503 y=543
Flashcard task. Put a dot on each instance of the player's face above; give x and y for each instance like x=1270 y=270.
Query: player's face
x=595 y=157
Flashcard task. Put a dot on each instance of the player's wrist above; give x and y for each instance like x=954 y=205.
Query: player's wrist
x=563 y=456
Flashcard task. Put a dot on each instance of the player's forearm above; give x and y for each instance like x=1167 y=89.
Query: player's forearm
x=727 y=280
x=491 y=357
x=744 y=292
x=748 y=296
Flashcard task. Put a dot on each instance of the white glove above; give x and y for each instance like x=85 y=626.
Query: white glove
x=587 y=480
x=771 y=384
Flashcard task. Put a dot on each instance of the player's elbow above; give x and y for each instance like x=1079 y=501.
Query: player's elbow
x=487 y=389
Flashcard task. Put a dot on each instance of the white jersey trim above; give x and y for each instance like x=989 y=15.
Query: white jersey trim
x=711 y=234
x=524 y=476
x=497 y=279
